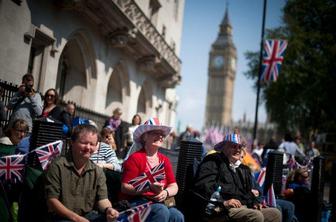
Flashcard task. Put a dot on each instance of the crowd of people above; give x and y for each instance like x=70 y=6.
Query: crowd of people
x=82 y=184
x=121 y=162
x=295 y=151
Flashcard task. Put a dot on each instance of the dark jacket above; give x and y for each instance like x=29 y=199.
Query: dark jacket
x=215 y=171
x=55 y=113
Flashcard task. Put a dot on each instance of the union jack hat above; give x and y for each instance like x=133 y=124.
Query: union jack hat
x=229 y=138
x=150 y=125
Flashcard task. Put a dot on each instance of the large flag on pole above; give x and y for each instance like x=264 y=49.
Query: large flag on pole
x=272 y=59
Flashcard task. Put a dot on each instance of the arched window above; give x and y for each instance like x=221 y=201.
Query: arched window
x=76 y=76
x=71 y=79
x=114 y=92
x=141 y=108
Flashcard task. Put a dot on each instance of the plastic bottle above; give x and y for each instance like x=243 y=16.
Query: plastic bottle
x=285 y=173
x=214 y=198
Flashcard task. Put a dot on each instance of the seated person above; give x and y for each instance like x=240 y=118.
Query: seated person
x=67 y=116
x=298 y=191
x=224 y=169
x=106 y=158
x=287 y=208
x=150 y=136
x=107 y=135
x=13 y=136
x=75 y=186
x=300 y=179
x=11 y=190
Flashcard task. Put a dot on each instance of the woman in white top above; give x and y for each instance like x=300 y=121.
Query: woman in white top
x=106 y=158
x=136 y=121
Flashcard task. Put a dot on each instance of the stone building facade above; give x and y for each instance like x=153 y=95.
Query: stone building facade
x=101 y=54
x=221 y=76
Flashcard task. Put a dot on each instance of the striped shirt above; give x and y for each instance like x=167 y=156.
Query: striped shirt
x=105 y=154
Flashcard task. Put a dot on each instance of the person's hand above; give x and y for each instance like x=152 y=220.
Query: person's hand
x=22 y=89
x=255 y=192
x=81 y=219
x=156 y=187
x=258 y=206
x=111 y=214
x=100 y=165
x=232 y=203
x=162 y=196
x=288 y=193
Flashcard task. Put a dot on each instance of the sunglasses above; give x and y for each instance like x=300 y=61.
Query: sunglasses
x=236 y=146
x=156 y=133
x=50 y=95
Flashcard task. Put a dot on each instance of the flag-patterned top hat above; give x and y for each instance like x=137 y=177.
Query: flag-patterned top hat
x=150 y=125
x=229 y=138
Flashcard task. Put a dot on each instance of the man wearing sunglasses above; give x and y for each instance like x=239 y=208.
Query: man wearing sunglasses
x=224 y=169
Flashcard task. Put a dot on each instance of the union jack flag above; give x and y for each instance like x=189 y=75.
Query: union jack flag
x=270 y=197
x=155 y=174
x=261 y=177
x=11 y=168
x=135 y=214
x=272 y=58
x=48 y=152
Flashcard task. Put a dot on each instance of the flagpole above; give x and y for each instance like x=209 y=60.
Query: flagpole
x=259 y=72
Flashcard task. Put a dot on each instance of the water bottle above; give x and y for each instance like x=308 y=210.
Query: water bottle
x=285 y=173
x=214 y=198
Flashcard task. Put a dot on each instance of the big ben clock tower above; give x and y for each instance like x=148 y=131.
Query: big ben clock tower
x=221 y=76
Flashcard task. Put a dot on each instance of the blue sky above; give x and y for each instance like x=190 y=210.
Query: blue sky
x=200 y=29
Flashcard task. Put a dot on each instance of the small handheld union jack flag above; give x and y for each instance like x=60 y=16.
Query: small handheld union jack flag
x=48 y=152
x=270 y=197
x=272 y=58
x=135 y=214
x=261 y=177
x=143 y=181
x=11 y=168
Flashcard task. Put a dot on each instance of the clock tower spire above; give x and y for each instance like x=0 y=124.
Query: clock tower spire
x=221 y=76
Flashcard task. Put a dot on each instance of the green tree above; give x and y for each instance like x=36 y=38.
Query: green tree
x=304 y=96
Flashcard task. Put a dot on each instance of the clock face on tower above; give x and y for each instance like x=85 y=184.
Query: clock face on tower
x=218 y=61
x=233 y=64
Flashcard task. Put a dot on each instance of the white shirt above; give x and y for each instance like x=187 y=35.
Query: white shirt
x=289 y=149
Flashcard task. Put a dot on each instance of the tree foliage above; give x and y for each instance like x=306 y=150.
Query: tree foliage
x=304 y=96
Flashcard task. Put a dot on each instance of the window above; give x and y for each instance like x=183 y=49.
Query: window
x=173 y=45
x=163 y=31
